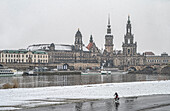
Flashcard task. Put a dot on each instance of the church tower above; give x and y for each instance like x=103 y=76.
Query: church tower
x=78 y=41
x=129 y=47
x=109 y=39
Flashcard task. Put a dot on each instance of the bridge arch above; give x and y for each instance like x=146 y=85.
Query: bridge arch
x=165 y=70
x=1 y=65
x=132 y=68
x=148 y=69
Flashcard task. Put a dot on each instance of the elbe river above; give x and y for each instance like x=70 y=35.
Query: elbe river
x=69 y=80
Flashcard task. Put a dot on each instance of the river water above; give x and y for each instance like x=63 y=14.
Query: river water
x=68 y=80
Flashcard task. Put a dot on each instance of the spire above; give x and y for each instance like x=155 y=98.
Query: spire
x=128 y=19
x=91 y=38
x=108 y=26
x=128 y=26
x=109 y=19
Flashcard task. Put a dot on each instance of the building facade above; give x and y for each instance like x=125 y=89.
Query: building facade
x=79 y=55
x=23 y=56
x=76 y=56
x=164 y=59
x=125 y=57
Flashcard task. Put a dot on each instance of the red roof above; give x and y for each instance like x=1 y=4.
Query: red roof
x=89 y=46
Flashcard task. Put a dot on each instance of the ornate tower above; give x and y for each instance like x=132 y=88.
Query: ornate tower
x=78 y=41
x=109 y=39
x=129 y=47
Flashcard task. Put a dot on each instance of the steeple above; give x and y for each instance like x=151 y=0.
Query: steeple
x=109 y=26
x=109 y=38
x=109 y=19
x=128 y=19
x=91 y=39
x=129 y=47
x=128 y=26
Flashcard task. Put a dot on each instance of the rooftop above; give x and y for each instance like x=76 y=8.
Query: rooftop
x=23 y=51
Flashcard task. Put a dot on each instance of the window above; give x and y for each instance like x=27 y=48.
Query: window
x=128 y=41
x=129 y=30
x=128 y=51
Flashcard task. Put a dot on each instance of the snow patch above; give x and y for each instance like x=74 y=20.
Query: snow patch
x=21 y=96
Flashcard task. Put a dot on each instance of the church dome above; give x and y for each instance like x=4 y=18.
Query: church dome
x=52 y=45
x=78 y=34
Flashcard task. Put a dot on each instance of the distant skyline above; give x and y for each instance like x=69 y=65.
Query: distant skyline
x=28 y=22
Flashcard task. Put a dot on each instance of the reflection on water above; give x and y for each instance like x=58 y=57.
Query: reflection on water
x=78 y=106
x=67 y=80
x=116 y=106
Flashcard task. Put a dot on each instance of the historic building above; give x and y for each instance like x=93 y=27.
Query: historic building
x=107 y=59
x=23 y=56
x=80 y=57
x=152 y=59
x=129 y=47
x=128 y=56
x=76 y=56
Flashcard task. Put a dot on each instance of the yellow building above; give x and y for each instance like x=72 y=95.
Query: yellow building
x=23 y=56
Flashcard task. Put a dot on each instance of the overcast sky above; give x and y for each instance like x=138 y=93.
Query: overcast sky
x=27 y=22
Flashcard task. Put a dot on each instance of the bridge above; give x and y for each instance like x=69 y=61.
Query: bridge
x=150 y=69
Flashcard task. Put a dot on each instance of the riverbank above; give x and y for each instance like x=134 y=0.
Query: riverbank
x=31 y=97
x=60 y=73
x=141 y=103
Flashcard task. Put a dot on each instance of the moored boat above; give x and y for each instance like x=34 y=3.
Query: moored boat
x=10 y=72
x=105 y=72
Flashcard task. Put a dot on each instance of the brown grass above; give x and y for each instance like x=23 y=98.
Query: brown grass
x=8 y=86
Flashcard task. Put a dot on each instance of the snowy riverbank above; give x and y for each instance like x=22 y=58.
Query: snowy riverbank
x=31 y=97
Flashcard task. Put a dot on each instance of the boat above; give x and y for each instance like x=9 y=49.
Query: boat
x=119 y=72
x=4 y=72
x=90 y=72
x=36 y=71
x=30 y=73
x=105 y=72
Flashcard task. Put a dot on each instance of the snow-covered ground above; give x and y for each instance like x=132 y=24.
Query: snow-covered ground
x=32 y=97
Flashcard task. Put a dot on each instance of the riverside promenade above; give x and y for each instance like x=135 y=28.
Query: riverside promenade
x=142 y=103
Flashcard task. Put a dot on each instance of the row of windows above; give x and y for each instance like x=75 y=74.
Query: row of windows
x=63 y=54
x=69 y=55
x=158 y=61
x=22 y=61
x=11 y=55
